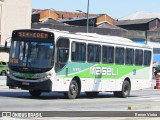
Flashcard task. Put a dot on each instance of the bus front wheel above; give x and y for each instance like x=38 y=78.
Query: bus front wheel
x=117 y=93
x=35 y=93
x=73 y=90
x=3 y=73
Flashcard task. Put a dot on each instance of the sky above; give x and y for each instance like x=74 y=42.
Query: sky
x=114 y=8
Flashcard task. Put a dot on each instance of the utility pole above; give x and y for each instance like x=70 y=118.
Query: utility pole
x=87 y=15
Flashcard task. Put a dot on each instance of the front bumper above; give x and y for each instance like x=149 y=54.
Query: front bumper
x=45 y=86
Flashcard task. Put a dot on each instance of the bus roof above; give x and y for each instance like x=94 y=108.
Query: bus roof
x=94 y=37
x=99 y=38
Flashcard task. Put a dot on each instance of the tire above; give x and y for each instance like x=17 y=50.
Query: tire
x=92 y=94
x=126 y=88
x=35 y=93
x=3 y=73
x=117 y=93
x=73 y=90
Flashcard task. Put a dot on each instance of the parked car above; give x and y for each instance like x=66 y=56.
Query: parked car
x=3 y=68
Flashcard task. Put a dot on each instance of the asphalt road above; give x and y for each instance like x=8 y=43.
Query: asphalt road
x=20 y=99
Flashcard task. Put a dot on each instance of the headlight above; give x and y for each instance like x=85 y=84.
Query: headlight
x=49 y=75
x=8 y=72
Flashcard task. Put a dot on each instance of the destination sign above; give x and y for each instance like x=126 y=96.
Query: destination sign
x=13 y=60
x=33 y=34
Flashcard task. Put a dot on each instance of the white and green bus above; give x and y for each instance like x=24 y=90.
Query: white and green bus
x=47 y=60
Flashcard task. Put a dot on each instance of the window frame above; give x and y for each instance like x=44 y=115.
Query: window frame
x=120 y=55
x=113 y=57
x=133 y=58
x=100 y=56
x=145 y=59
x=85 y=51
x=139 y=58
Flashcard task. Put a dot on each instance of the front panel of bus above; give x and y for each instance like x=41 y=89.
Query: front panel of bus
x=31 y=57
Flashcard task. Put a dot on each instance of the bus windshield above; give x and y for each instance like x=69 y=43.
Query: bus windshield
x=32 y=54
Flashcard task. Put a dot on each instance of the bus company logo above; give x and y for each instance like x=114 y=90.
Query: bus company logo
x=104 y=71
x=134 y=72
x=6 y=114
x=22 y=114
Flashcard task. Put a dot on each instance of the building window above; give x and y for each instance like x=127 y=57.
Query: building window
x=156 y=50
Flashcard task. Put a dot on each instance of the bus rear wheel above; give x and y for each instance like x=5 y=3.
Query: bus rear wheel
x=73 y=90
x=35 y=93
x=126 y=87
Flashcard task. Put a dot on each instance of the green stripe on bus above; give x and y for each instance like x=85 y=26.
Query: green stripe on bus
x=90 y=70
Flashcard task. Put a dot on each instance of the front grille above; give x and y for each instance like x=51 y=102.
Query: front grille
x=26 y=78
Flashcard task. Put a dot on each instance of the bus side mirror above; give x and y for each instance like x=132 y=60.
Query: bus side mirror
x=5 y=45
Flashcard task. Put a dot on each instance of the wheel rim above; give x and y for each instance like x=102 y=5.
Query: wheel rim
x=73 y=89
x=126 y=89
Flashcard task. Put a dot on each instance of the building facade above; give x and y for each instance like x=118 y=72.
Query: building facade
x=139 y=24
x=14 y=14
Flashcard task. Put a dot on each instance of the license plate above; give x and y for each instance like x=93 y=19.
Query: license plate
x=25 y=83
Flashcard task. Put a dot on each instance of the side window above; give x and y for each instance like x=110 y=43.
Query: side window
x=138 y=57
x=62 y=53
x=147 y=58
x=78 y=51
x=129 y=56
x=94 y=53
x=108 y=54
x=119 y=55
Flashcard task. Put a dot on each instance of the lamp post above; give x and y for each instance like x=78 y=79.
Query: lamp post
x=87 y=15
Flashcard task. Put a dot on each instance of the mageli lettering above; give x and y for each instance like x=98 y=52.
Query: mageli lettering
x=104 y=71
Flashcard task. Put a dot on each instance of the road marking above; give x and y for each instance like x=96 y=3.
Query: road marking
x=156 y=100
x=148 y=98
